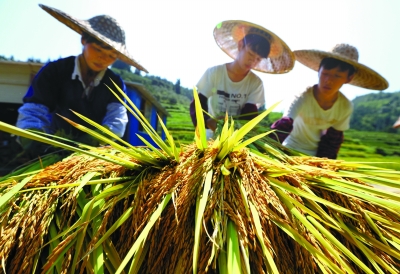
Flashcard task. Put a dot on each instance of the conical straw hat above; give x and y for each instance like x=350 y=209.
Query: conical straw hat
x=102 y=27
x=364 y=76
x=227 y=34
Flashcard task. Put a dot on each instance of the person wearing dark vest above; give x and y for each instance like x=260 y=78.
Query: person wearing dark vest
x=78 y=83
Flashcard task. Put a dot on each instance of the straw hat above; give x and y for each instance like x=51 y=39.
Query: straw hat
x=103 y=27
x=364 y=76
x=397 y=123
x=227 y=34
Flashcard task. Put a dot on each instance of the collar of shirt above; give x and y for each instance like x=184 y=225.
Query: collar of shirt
x=76 y=74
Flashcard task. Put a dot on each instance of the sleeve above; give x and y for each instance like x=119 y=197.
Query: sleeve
x=330 y=143
x=283 y=126
x=206 y=84
x=205 y=88
x=116 y=118
x=34 y=116
x=344 y=123
x=295 y=106
x=39 y=100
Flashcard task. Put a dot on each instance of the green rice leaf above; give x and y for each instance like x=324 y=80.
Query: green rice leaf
x=200 y=207
x=13 y=191
x=233 y=254
x=339 y=245
x=170 y=139
x=200 y=135
x=271 y=266
x=84 y=180
x=252 y=123
x=143 y=235
x=249 y=141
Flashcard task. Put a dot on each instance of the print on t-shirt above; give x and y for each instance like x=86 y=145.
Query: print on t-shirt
x=230 y=102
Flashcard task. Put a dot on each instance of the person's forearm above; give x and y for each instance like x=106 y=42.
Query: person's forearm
x=283 y=126
x=116 y=118
x=330 y=143
x=250 y=109
x=34 y=116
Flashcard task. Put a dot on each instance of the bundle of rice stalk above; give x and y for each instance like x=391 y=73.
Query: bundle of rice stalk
x=232 y=205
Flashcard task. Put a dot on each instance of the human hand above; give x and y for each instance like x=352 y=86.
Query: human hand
x=211 y=124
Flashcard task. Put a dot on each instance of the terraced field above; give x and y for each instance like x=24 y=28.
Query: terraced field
x=378 y=148
x=381 y=148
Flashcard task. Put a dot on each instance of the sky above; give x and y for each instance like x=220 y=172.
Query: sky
x=174 y=39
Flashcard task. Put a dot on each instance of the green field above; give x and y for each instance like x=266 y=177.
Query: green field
x=180 y=124
x=381 y=148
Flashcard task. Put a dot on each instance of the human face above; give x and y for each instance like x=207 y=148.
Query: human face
x=98 y=58
x=331 y=80
x=247 y=58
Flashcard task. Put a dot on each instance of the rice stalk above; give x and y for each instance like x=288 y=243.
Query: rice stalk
x=238 y=204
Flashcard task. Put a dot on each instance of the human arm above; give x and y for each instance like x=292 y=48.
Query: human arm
x=332 y=140
x=116 y=118
x=330 y=143
x=283 y=126
x=39 y=100
x=34 y=116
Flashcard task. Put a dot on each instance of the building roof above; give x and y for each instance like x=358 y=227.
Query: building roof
x=15 y=78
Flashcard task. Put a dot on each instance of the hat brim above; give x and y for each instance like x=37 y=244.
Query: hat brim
x=280 y=60
x=364 y=76
x=83 y=26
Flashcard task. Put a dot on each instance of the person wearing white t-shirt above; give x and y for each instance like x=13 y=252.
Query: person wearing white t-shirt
x=233 y=88
x=316 y=119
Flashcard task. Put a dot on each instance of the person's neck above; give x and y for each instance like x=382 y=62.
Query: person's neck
x=325 y=101
x=87 y=74
x=235 y=72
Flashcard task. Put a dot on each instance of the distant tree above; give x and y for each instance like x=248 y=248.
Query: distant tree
x=33 y=60
x=121 y=65
x=375 y=111
x=177 y=86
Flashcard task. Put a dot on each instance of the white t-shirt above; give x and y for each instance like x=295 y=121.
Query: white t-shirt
x=310 y=121
x=224 y=95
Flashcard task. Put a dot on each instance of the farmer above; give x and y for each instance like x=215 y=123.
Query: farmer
x=316 y=118
x=78 y=83
x=233 y=87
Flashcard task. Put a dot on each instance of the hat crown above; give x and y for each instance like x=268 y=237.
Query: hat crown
x=108 y=27
x=260 y=32
x=346 y=51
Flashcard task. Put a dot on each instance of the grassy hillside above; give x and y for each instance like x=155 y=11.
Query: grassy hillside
x=376 y=112
x=382 y=148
